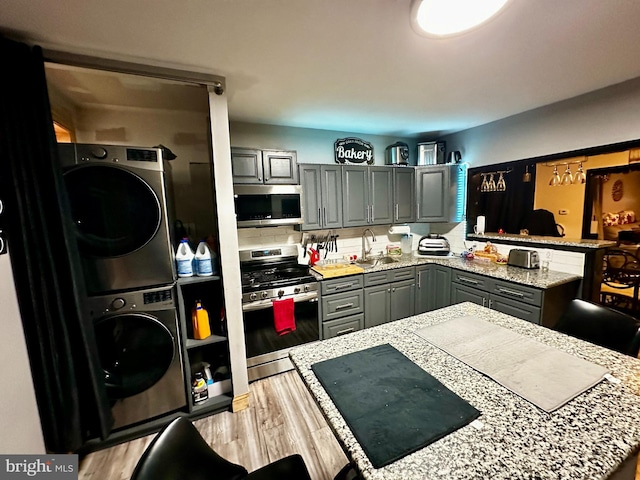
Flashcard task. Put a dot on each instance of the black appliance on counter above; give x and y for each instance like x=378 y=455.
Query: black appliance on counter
x=270 y=275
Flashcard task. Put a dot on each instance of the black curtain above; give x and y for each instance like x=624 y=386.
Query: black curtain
x=71 y=398
x=506 y=210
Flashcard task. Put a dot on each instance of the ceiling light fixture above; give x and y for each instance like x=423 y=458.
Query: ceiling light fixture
x=443 y=18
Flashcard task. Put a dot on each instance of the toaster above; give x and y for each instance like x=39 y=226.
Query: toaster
x=523 y=258
x=433 y=244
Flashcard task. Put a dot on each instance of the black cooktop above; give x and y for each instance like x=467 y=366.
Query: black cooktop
x=275 y=276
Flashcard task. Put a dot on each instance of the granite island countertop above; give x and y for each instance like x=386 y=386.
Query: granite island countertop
x=534 y=277
x=589 y=437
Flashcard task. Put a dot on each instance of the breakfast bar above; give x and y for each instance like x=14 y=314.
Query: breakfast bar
x=594 y=435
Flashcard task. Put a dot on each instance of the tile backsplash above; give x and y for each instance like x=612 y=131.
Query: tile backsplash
x=350 y=242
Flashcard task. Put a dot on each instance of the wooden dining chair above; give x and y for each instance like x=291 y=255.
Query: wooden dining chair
x=621 y=280
x=180 y=452
x=601 y=325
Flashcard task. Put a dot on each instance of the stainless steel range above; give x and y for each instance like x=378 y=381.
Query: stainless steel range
x=271 y=275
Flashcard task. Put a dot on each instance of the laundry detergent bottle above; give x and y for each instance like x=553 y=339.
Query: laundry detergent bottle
x=204 y=266
x=184 y=259
x=200 y=319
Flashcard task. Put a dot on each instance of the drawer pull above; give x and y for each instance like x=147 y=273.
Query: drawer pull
x=468 y=280
x=343 y=285
x=511 y=292
x=346 y=330
x=344 y=305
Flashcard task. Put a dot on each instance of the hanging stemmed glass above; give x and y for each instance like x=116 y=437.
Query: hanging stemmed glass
x=501 y=185
x=492 y=183
x=484 y=187
x=567 y=177
x=580 y=176
x=555 y=178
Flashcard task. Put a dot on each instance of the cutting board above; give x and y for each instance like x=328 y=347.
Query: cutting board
x=337 y=269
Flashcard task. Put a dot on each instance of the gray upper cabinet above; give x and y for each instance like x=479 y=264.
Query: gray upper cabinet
x=280 y=167
x=246 y=165
x=432 y=194
x=271 y=167
x=440 y=191
x=368 y=195
x=404 y=195
x=321 y=196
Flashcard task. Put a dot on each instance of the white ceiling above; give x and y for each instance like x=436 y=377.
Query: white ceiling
x=354 y=65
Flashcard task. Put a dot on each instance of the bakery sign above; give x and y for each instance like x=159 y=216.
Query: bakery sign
x=353 y=150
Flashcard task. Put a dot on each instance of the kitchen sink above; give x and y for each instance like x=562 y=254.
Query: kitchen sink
x=384 y=260
x=375 y=261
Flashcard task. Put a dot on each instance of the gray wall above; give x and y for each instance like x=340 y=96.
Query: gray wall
x=598 y=118
x=19 y=420
x=311 y=145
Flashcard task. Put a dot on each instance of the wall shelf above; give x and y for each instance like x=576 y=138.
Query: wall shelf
x=195 y=279
x=193 y=343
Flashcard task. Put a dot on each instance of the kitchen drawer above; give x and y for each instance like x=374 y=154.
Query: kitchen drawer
x=517 y=292
x=377 y=278
x=515 y=308
x=342 y=304
x=342 y=284
x=342 y=326
x=389 y=276
x=399 y=274
x=471 y=279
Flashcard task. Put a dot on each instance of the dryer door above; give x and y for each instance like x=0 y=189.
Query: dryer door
x=114 y=210
x=135 y=351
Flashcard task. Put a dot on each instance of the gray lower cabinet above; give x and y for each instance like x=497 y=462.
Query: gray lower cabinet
x=321 y=196
x=433 y=289
x=463 y=293
x=542 y=306
x=342 y=326
x=388 y=295
x=367 y=195
x=341 y=306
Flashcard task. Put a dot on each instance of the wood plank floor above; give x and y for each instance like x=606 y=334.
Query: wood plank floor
x=282 y=419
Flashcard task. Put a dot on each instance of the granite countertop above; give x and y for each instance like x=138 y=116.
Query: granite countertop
x=536 y=240
x=589 y=437
x=534 y=277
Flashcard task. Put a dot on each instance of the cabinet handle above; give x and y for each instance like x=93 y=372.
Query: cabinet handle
x=259 y=179
x=393 y=289
x=324 y=211
x=368 y=214
x=344 y=305
x=419 y=278
x=266 y=179
x=319 y=217
x=397 y=214
x=468 y=280
x=346 y=330
x=511 y=292
x=342 y=285
x=490 y=303
x=418 y=210
x=484 y=302
x=373 y=215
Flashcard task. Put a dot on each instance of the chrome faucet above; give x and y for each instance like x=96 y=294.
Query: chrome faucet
x=365 y=252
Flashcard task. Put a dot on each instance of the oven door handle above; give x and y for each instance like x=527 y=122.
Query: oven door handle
x=263 y=304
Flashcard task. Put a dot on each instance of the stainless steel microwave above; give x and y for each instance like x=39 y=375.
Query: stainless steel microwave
x=268 y=205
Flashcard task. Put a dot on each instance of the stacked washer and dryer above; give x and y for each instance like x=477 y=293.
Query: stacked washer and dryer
x=117 y=197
